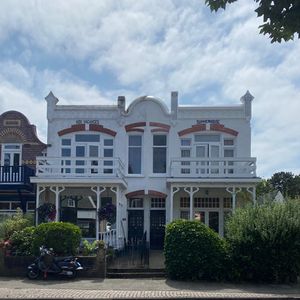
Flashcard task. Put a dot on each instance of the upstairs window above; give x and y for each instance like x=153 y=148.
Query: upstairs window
x=135 y=154
x=159 y=153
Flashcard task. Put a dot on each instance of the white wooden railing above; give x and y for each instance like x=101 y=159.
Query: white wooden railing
x=213 y=167
x=79 y=167
x=110 y=238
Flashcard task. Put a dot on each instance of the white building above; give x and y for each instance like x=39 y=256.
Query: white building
x=153 y=164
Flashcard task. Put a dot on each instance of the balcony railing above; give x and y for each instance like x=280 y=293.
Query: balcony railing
x=15 y=174
x=79 y=167
x=213 y=167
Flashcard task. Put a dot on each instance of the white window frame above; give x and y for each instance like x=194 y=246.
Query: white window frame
x=142 y=154
x=160 y=146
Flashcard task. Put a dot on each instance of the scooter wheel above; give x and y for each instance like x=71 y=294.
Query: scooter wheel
x=33 y=274
x=74 y=274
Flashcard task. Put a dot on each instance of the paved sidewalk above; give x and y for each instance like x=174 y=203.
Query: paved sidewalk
x=12 y=288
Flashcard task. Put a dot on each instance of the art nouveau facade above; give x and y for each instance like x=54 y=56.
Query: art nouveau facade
x=154 y=164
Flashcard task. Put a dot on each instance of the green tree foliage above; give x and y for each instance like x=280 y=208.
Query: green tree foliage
x=265 y=241
x=281 y=18
x=64 y=238
x=22 y=241
x=194 y=251
x=13 y=224
x=282 y=181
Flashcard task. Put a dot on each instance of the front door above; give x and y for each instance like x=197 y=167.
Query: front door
x=157 y=228
x=135 y=225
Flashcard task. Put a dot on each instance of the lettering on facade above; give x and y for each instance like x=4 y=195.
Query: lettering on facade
x=87 y=122
x=208 y=121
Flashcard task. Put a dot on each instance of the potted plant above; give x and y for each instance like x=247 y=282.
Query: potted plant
x=47 y=212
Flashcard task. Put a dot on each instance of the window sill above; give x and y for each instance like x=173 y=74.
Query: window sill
x=135 y=175
x=158 y=175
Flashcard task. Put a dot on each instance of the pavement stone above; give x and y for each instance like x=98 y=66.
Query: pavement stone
x=20 y=288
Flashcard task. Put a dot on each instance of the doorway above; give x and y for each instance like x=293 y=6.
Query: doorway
x=157 y=229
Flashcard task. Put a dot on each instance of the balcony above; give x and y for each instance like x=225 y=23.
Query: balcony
x=79 y=167
x=15 y=174
x=213 y=167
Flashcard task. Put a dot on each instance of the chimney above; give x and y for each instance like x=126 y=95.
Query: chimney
x=121 y=103
x=174 y=104
x=247 y=101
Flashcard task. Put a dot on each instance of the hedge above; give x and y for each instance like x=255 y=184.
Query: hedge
x=265 y=242
x=63 y=237
x=194 y=251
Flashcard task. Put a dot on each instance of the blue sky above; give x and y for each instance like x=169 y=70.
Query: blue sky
x=89 y=52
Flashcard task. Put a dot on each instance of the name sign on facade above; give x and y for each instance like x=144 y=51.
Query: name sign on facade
x=208 y=121
x=87 y=122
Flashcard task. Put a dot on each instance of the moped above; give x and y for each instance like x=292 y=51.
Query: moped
x=48 y=263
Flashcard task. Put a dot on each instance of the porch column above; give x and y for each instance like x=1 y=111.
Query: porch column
x=97 y=190
x=252 y=191
x=57 y=190
x=115 y=190
x=174 y=190
x=191 y=191
x=233 y=191
x=39 y=190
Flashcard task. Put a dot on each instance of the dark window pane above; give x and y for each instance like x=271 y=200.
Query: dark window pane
x=159 y=160
x=66 y=142
x=108 y=152
x=87 y=138
x=159 y=140
x=80 y=151
x=93 y=151
x=135 y=140
x=108 y=142
x=4 y=206
x=134 y=160
x=214 y=220
x=65 y=152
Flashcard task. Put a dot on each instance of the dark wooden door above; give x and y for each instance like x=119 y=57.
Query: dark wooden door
x=135 y=225
x=157 y=228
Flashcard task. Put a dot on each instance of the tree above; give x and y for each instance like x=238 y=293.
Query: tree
x=281 y=18
x=283 y=182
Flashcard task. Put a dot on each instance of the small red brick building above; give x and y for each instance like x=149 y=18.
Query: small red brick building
x=19 y=146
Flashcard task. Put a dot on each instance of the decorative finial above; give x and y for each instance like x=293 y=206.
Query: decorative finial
x=247 y=97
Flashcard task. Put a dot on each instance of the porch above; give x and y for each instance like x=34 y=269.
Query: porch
x=87 y=206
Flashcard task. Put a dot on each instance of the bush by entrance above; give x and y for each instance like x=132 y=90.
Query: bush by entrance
x=194 y=251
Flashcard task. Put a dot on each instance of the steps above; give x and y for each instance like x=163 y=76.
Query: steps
x=135 y=273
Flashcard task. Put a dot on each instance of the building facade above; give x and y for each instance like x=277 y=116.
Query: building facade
x=19 y=146
x=145 y=165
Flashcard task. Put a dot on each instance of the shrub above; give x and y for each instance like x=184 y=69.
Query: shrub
x=21 y=241
x=265 y=241
x=13 y=224
x=64 y=238
x=89 y=248
x=194 y=251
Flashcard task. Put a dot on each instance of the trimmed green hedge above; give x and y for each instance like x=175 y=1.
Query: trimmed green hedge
x=64 y=238
x=265 y=241
x=194 y=251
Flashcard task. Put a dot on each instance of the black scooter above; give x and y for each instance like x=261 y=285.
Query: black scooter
x=48 y=263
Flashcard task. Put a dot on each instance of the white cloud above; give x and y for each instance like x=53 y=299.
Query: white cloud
x=153 y=47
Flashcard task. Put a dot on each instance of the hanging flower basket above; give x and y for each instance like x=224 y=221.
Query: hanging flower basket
x=47 y=212
x=108 y=213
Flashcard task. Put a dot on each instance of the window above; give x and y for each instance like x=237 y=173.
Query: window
x=206 y=138
x=65 y=152
x=30 y=205
x=185 y=215
x=95 y=138
x=158 y=202
x=186 y=142
x=184 y=202
x=228 y=142
x=4 y=205
x=15 y=205
x=206 y=202
x=159 y=153
x=136 y=203
x=227 y=202
x=66 y=142
x=135 y=154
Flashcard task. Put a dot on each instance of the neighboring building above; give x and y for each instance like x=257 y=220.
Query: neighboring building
x=19 y=146
x=153 y=164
